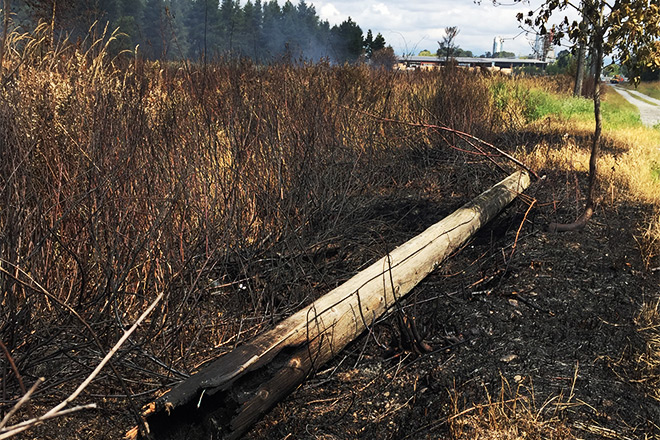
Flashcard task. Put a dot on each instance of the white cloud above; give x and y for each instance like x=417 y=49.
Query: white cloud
x=328 y=11
x=414 y=25
x=381 y=8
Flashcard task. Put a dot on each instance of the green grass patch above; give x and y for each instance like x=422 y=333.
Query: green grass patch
x=540 y=103
x=643 y=99
x=655 y=171
x=651 y=89
x=616 y=111
x=619 y=113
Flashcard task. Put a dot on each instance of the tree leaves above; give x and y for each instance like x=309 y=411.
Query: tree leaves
x=628 y=28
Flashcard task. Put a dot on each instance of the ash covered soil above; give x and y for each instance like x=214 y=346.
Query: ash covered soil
x=544 y=341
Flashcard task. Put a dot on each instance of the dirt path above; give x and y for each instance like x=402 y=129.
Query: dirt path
x=649 y=108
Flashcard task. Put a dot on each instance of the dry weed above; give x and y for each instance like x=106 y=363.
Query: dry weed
x=648 y=363
x=513 y=413
x=218 y=184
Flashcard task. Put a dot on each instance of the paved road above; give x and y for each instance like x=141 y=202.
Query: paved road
x=649 y=108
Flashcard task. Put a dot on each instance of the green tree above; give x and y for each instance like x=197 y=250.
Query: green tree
x=154 y=30
x=228 y=26
x=371 y=44
x=72 y=18
x=425 y=53
x=612 y=69
x=626 y=29
x=347 y=41
x=457 y=52
x=312 y=34
x=128 y=20
x=108 y=10
x=248 y=29
x=504 y=54
x=202 y=21
x=378 y=43
x=564 y=64
x=176 y=11
x=448 y=43
x=290 y=29
x=272 y=39
x=368 y=41
x=648 y=73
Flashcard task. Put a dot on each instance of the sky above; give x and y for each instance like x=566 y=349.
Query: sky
x=414 y=25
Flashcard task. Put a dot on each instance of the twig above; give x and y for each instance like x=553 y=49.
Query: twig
x=59 y=409
x=515 y=242
x=450 y=130
x=39 y=288
x=13 y=367
x=21 y=402
x=11 y=431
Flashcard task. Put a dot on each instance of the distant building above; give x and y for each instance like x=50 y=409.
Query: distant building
x=504 y=65
x=538 y=47
x=497 y=44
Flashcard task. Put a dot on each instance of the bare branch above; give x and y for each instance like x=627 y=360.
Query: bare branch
x=60 y=409
x=21 y=402
x=463 y=135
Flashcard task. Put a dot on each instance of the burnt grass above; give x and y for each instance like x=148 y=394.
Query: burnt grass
x=546 y=333
x=532 y=334
x=549 y=326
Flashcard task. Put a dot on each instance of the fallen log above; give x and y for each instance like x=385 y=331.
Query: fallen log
x=228 y=396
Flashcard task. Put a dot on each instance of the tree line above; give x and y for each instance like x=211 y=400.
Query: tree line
x=202 y=29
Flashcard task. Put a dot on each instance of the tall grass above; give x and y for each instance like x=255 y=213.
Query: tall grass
x=212 y=182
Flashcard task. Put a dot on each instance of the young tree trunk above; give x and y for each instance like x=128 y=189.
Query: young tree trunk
x=590 y=203
x=579 y=75
x=582 y=50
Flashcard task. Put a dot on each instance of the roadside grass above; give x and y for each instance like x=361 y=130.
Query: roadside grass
x=651 y=89
x=644 y=100
x=617 y=112
x=543 y=103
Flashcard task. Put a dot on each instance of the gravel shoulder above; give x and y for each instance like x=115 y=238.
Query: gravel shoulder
x=649 y=108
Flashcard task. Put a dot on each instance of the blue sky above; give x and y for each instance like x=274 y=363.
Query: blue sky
x=414 y=25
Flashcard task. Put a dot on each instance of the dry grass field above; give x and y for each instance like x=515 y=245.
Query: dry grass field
x=242 y=192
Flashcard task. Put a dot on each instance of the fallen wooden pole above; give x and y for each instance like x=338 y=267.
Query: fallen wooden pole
x=228 y=396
